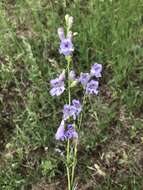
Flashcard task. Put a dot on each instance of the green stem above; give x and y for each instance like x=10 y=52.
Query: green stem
x=68 y=174
x=75 y=148
x=74 y=164
x=69 y=91
x=68 y=142
x=80 y=120
x=67 y=165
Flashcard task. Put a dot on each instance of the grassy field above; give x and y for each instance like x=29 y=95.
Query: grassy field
x=110 y=153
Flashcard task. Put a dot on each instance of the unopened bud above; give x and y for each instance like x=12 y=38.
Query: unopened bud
x=61 y=33
x=69 y=21
x=74 y=83
x=72 y=75
x=62 y=75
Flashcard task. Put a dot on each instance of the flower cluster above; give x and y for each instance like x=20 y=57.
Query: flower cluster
x=72 y=110
x=66 y=45
x=69 y=111
x=86 y=79
x=89 y=81
x=66 y=133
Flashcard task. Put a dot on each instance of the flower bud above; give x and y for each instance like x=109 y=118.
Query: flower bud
x=66 y=18
x=72 y=75
x=73 y=84
x=69 y=21
x=61 y=33
x=69 y=35
x=62 y=76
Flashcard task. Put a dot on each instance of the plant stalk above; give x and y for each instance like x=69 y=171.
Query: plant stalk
x=68 y=142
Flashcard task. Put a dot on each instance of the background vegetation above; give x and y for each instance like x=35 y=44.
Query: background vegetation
x=111 y=142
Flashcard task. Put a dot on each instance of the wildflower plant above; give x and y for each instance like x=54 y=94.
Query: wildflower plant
x=69 y=127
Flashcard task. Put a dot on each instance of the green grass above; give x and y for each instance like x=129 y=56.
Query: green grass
x=109 y=32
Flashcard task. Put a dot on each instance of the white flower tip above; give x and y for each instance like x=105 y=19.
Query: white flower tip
x=67 y=17
x=69 y=35
x=69 y=20
x=61 y=33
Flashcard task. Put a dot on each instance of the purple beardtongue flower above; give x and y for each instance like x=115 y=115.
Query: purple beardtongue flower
x=96 y=70
x=77 y=105
x=69 y=111
x=71 y=132
x=57 y=85
x=57 y=91
x=84 y=78
x=92 y=87
x=68 y=133
x=72 y=110
x=66 y=47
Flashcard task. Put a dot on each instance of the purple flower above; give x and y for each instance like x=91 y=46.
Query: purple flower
x=71 y=132
x=72 y=110
x=69 y=111
x=96 y=70
x=57 y=85
x=68 y=133
x=92 y=87
x=66 y=47
x=78 y=106
x=60 y=134
x=84 y=78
